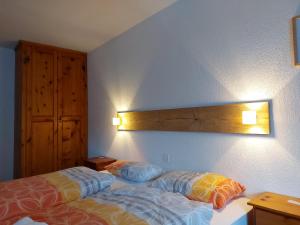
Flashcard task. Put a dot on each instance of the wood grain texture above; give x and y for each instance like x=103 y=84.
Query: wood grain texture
x=50 y=47
x=44 y=102
x=70 y=144
x=266 y=218
x=42 y=149
x=41 y=105
x=223 y=118
x=295 y=41
x=42 y=81
x=71 y=81
x=98 y=163
x=72 y=111
x=251 y=217
x=276 y=203
x=19 y=117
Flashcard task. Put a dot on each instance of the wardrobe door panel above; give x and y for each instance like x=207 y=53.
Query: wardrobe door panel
x=43 y=96
x=72 y=114
x=42 y=152
x=41 y=114
x=70 y=144
x=71 y=85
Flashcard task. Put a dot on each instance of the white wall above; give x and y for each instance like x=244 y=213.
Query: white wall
x=198 y=53
x=7 y=75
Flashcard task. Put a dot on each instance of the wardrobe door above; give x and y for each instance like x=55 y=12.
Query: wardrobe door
x=41 y=122
x=72 y=107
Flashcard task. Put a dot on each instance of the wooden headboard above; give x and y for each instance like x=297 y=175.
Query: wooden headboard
x=222 y=118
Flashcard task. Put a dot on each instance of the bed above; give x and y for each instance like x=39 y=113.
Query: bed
x=80 y=196
x=235 y=213
x=125 y=206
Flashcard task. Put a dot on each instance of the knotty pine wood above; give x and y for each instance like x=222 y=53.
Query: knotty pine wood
x=40 y=94
x=223 y=118
x=72 y=112
x=41 y=142
x=266 y=218
x=276 y=203
x=295 y=41
x=98 y=163
x=19 y=117
x=42 y=150
x=50 y=47
x=70 y=146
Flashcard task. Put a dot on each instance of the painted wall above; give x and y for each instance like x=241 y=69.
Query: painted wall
x=7 y=75
x=198 y=53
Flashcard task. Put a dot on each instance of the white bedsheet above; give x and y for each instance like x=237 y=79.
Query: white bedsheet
x=235 y=213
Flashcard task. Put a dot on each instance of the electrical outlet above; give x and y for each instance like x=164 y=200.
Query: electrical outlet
x=166 y=158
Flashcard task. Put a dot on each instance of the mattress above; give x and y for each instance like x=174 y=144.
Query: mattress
x=235 y=213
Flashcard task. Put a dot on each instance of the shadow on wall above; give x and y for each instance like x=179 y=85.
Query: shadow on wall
x=297 y=11
x=7 y=66
x=163 y=66
x=8 y=44
x=101 y=115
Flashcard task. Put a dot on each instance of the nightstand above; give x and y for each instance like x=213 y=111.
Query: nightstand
x=274 y=209
x=98 y=163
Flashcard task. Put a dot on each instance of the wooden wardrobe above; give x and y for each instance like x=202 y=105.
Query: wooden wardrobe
x=51 y=109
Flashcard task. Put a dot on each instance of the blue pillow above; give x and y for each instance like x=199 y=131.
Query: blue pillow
x=135 y=171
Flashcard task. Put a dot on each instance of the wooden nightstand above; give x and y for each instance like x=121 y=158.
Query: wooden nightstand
x=98 y=163
x=274 y=209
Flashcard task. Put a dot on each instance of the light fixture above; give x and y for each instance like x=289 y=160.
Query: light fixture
x=116 y=121
x=249 y=117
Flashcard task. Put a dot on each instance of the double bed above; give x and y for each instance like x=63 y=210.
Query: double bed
x=80 y=196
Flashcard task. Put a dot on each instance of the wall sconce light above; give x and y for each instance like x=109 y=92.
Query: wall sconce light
x=116 y=121
x=249 y=117
x=237 y=118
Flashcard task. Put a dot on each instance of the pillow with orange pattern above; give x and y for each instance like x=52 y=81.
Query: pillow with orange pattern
x=205 y=187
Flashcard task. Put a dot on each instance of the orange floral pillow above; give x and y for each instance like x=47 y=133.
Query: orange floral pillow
x=215 y=189
x=205 y=187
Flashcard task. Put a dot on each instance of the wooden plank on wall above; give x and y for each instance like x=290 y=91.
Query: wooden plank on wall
x=223 y=118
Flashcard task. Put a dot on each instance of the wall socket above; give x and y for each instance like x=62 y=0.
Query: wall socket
x=166 y=158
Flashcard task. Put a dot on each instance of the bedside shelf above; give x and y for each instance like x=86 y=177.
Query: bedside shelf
x=98 y=163
x=275 y=209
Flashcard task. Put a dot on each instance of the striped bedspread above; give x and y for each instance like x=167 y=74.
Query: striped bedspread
x=128 y=206
x=27 y=195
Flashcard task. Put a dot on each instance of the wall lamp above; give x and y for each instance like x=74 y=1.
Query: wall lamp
x=249 y=117
x=238 y=118
x=116 y=121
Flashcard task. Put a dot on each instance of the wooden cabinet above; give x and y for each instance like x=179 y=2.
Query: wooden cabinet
x=51 y=109
x=274 y=209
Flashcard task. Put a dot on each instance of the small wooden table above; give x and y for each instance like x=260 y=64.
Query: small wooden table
x=275 y=209
x=98 y=163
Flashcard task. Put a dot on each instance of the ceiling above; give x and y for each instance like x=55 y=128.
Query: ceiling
x=77 y=24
